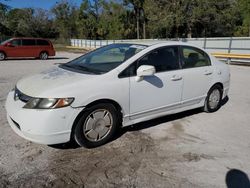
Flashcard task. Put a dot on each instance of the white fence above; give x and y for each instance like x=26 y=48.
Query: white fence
x=83 y=43
x=238 y=45
x=220 y=45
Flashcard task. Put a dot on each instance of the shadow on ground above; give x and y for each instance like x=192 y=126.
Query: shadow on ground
x=142 y=125
x=237 y=179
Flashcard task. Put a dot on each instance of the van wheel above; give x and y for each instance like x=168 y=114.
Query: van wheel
x=2 y=56
x=43 y=55
x=97 y=125
x=213 y=100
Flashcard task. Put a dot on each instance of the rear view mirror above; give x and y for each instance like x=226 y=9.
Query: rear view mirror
x=145 y=70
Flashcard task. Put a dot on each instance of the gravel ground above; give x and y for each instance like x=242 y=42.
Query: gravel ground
x=190 y=149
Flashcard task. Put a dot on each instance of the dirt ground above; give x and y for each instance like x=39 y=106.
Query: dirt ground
x=190 y=149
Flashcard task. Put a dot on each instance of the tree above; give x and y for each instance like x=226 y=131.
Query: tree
x=88 y=18
x=115 y=21
x=65 y=14
x=138 y=7
x=209 y=18
x=42 y=24
x=165 y=18
x=19 y=21
x=3 y=12
x=128 y=19
x=244 y=28
x=191 y=18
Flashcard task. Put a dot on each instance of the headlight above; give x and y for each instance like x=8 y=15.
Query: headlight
x=48 y=103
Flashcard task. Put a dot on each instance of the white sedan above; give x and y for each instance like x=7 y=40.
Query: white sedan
x=118 y=85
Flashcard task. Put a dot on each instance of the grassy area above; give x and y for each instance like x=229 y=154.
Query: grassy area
x=64 y=48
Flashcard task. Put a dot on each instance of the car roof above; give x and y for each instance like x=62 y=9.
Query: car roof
x=29 y=38
x=156 y=42
x=160 y=42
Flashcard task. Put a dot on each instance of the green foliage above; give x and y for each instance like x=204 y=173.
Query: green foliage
x=19 y=21
x=64 y=20
x=3 y=13
x=243 y=29
x=127 y=19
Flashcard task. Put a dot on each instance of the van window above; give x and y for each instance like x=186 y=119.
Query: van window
x=42 y=43
x=16 y=42
x=28 y=42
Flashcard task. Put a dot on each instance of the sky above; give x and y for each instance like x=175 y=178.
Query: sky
x=45 y=4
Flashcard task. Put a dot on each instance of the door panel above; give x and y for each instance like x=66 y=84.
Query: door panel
x=29 y=48
x=14 y=49
x=196 y=83
x=155 y=92
x=161 y=91
x=197 y=74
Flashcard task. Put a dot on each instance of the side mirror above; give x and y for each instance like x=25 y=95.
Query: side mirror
x=145 y=70
x=9 y=44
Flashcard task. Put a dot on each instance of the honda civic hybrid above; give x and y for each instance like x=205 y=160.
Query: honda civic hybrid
x=89 y=98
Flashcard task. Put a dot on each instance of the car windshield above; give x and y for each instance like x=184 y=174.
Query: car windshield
x=104 y=59
x=4 y=42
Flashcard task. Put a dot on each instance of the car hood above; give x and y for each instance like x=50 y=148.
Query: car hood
x=55 y=82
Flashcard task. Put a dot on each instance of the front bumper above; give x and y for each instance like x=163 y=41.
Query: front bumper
x=52 y=126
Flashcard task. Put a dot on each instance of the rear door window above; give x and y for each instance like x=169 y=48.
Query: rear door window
x=194 y=57
x=42 y=43
x=28 y=42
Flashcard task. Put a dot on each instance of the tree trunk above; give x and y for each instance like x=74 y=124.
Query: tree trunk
x=138 y=23
x=249 y=30
x=144 y=23
x=189 y=35
x=144 y=29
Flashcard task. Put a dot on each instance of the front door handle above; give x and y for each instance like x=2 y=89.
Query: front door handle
x=207 y=73
x=176 y=78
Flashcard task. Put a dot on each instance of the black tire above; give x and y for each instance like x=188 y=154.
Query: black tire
x=43 y=56
x=208 y=107
x=78 y=131
x=2 y=56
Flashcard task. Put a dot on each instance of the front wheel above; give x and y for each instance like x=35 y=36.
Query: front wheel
x=2 y=56
x=43 y=55
x=97 y=125
x=213 y=100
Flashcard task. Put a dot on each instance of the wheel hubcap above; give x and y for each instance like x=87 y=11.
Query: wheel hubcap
x=214 y=99
x=44 y=56
x=2 y=56
x=98 y=125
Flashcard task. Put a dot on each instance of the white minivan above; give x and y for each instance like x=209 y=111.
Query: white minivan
x=90 y=97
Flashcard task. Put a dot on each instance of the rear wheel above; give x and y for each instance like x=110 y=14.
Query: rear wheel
x=2 y=56
x=213 y=100
x=43 y=55
x=97 y=125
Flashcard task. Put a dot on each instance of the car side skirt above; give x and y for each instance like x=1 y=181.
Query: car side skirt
x=163 y=111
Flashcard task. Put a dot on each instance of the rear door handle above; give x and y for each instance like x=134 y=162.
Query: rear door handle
x=208 y=72
x=176 y=78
